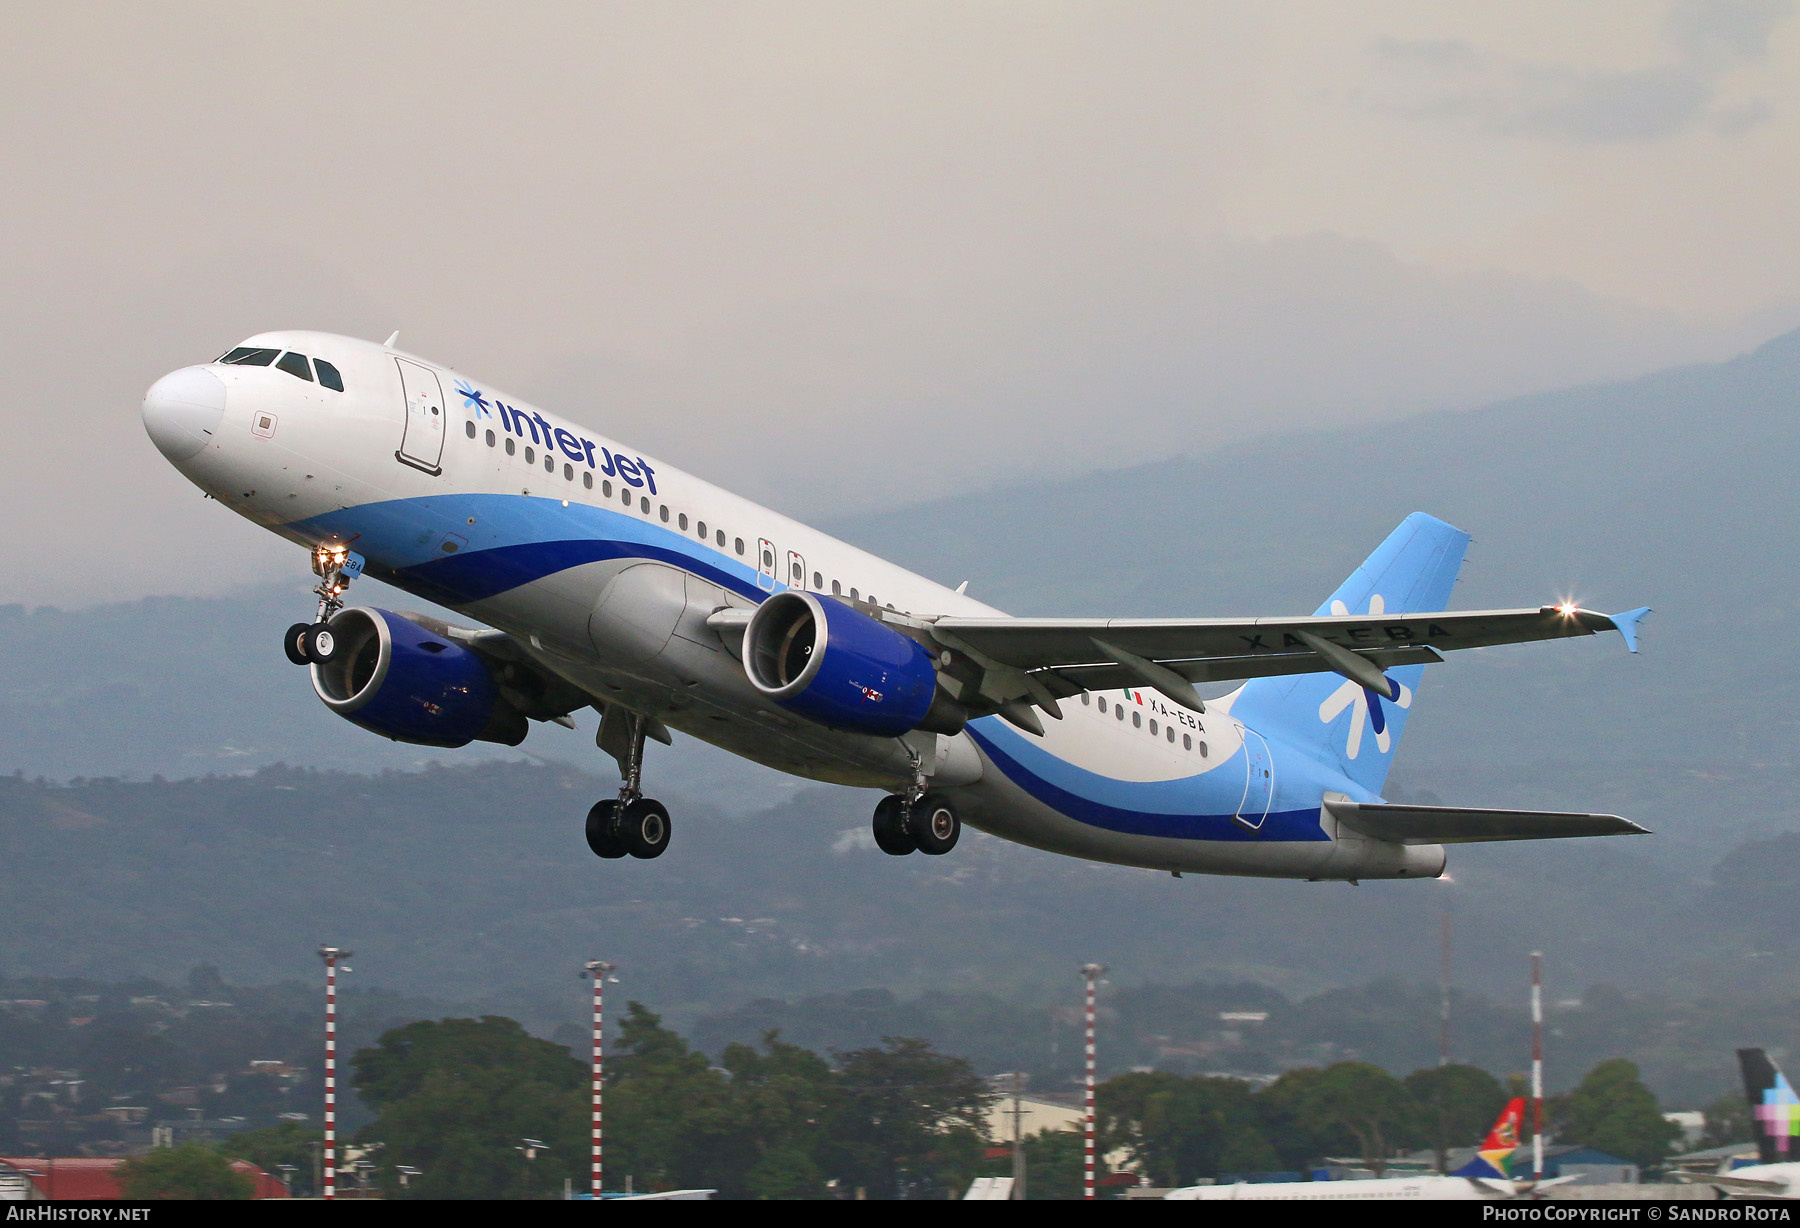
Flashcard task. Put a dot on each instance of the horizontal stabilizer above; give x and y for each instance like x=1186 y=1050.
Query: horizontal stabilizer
x=1460 y=825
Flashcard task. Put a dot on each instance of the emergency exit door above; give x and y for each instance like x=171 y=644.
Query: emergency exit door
x=422 y=446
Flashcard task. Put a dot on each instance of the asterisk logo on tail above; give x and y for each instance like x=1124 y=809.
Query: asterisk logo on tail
x=1370 y=711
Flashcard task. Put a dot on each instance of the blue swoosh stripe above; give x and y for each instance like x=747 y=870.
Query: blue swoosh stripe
x=1279 y=825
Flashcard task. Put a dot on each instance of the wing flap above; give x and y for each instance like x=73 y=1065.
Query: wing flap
x=1463 y=825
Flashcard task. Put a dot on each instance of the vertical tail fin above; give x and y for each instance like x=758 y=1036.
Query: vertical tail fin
x=1494 y=1158
x=1774 y=1109
x=1333 y=718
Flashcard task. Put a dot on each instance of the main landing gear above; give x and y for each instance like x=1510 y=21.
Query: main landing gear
x=928 y=824
x=315 y=643
x=633 y=824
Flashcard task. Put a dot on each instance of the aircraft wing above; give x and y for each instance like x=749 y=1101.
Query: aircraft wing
x=1046 y=659
x=1460 y=825
x=1747 y=1187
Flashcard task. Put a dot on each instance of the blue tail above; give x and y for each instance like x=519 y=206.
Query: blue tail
x=1331 y=718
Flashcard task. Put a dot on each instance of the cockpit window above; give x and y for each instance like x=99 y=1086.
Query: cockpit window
x=295 y=364
x=250 y=356
x=328 y=375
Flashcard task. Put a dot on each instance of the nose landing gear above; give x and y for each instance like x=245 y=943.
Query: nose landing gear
x=633 y=825
x=314 y=643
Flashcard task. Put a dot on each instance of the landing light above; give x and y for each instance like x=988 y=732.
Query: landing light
x=1567 y=609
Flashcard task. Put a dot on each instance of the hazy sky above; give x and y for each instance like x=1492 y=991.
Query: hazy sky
x=858 y=254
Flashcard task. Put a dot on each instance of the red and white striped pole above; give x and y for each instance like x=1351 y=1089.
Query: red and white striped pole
x=1091 y=973
x=331 y=956
x=598 y=971
x=1537 y=1067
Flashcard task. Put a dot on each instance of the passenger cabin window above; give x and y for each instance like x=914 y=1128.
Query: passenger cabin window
x=818 y=580
x=490 y=439
x=719 y=540
x=568 y=473
x=530 y=456
x=295 y=365
x=469 y=429
x=250 y=356
x=837 y=589
x=328 y=375
x=510 y=447
x=681 y=522
x=662 y=513
x=739 y=542
x=587 y=479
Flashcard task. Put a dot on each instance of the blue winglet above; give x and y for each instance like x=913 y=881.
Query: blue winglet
x=1627 y=625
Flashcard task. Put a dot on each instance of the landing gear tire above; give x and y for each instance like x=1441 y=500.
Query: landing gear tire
x=320 y=643
x=934 y=825
x=643 y=828
x=891 y=835
x=602 y=834
x=293 y=643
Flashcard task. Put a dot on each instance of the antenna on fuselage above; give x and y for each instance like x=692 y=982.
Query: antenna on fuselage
x=393 y=337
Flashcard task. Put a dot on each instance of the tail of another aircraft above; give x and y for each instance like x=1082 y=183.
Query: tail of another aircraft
x=1494 y=1158
x=1330 y=716
x=1774 y=1110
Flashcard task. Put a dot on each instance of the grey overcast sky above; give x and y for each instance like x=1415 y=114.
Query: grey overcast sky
x=853 y=255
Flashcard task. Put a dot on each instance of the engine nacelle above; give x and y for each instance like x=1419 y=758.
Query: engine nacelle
x=822 y=660
x=406 y=682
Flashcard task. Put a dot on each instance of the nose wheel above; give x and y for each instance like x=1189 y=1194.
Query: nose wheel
x=633 y=825
x=315 y=643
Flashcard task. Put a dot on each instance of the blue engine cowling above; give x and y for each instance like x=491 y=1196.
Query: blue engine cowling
x=405 y=681
x=822 y=660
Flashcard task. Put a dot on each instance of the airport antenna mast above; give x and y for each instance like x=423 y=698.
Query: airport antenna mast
x=598 y=970
x=331 y=956
x=1537 y=1067
x=1090 y=973
x=1444 y=993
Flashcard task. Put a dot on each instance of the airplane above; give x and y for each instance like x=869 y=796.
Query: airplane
x=1488 y=1175
x=609 y=579
x=1775 y=1118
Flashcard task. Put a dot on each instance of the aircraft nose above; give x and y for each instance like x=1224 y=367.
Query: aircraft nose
x=182 y=410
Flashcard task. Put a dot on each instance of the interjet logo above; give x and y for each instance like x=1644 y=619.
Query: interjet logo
x=1370 y=711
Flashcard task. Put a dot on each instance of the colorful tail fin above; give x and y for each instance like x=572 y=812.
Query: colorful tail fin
x=1327 y=715
x=1773 y=1106
x=1494 y=1159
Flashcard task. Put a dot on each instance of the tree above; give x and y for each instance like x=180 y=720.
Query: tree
x=457 y=1096
x=187 y=1172
x=1457 y=1106
x=784 y=1097
x=1054 y=1162
x=1369 y=1103
x=1613 y=1111
x=1728 y=1121
x=289 y=1143
x=1181 y=1129
x=671 y=1114
x=909 y=1121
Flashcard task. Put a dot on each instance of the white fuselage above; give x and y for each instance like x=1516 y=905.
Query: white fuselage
x=604 y=565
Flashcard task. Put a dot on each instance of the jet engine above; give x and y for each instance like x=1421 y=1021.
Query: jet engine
x=407 y=682
x=821 y=659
